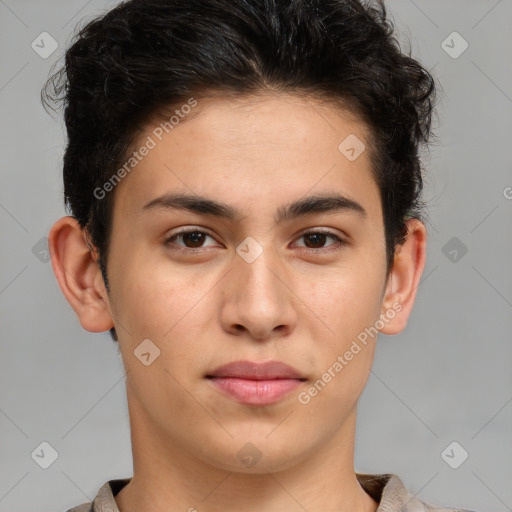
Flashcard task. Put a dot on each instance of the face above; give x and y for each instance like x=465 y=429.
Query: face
x=253 y=279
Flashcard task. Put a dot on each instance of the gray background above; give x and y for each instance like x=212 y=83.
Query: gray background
x=446 y=378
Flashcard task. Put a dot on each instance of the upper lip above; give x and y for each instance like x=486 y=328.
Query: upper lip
x=265 y=370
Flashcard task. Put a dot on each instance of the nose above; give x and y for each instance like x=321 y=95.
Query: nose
x=259 y=301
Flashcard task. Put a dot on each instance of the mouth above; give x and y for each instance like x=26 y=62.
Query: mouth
x=256 y=383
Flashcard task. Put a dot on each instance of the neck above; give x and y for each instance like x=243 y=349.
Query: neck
x=167 y=477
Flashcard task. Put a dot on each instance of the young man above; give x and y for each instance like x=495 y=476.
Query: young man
x=244 y=184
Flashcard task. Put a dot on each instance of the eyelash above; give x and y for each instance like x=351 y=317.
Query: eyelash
x=339 y=241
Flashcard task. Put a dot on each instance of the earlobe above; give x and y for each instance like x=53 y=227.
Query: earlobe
x=78 y=275
x=404 y=278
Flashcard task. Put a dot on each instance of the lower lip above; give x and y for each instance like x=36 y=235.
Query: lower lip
x=256 y=392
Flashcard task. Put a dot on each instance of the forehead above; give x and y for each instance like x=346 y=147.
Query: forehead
x=250 y=150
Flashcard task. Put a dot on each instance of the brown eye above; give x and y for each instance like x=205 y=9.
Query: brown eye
x=317 y=239
x=192 y=239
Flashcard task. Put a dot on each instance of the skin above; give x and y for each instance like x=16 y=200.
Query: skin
x=204 y=309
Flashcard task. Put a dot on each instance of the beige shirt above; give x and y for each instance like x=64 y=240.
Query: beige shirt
x=386 y=489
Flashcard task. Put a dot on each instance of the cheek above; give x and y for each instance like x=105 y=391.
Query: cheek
x=168 y=305
x=346 y=302
x=344 y=352
x=146 y=302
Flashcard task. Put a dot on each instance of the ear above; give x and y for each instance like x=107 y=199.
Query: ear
x=404 y=278
x=78 y=275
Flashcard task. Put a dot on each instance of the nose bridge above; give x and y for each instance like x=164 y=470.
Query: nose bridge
x=259 y=271
x=259 y=299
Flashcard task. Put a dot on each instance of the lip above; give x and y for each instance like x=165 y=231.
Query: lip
x=256 y=383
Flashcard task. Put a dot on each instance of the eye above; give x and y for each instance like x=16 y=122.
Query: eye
x=317 y=239
x=195 y=239
x=192 y=238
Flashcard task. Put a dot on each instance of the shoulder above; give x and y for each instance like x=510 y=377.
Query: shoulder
x=391 y=494
x=410 y=503
x=104 y=500
x=84 y=507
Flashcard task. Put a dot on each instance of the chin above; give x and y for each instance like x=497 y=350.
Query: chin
x=256 y=454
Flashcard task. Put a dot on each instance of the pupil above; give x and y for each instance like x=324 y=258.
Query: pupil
x=320 y=238
x=196 y=238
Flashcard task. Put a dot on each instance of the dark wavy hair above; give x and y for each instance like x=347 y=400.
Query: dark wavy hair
x=144 y=56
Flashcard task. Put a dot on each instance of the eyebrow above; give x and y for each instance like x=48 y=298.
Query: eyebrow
x=329 y=203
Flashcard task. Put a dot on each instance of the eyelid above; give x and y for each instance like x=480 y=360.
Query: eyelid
x=341 y=241
x=184 y=231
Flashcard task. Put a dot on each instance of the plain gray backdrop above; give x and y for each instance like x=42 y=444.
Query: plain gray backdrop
x=447 y=378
